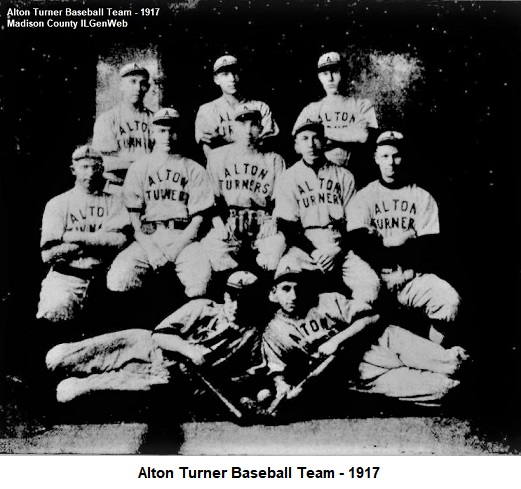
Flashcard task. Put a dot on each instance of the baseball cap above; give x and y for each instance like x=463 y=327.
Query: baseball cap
x=165 y=117
x=134 y=69
x=86 y=152
x=389 y=137
x=245 y=111
x=240 y=280
x=308 y=125
x=289 y=269
x=225 y=63
x=328 y=60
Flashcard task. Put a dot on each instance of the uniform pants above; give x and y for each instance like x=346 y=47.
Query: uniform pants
x=405 y=366
x=131 y=265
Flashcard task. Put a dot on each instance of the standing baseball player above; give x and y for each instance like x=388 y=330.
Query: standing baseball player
x=243 y=177
x=221 y=338
x=124 y=133
x=82 y=231
x=214 y=121
x=347 y=120
x=308 y=327
x=311 y=199
x=168 y=197
x=394 y=227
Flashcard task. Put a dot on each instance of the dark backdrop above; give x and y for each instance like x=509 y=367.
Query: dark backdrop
x=462 y=119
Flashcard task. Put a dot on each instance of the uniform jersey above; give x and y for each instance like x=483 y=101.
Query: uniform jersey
x=163 y=186
x=290 y=341
x=244 y=178
x=78 y=211
x=313 y=198
x=391 y=212
x=345 y=119
x=123 y=130
x=209 y=324
x=217 y=117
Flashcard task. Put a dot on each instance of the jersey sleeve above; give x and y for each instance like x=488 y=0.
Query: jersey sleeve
x=269 y=126
x=358 y=213
x=213 y=166
x=201 y=194
x=367 y=114
x=271 y=351
x=428 y=218
x=119 y=217
x=336 y=306
x=185 y=318
x=348 y=189
x=203 y=122
x=104 y=139
x=53 y=222
x=133 y=187
x=286 y=203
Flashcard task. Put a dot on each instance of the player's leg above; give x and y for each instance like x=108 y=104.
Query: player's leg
x=128 y=269
x=436 y=297
x=360 y=278
x=193 y=269
x=270 y=251
x=220 y=252
x=61 y=296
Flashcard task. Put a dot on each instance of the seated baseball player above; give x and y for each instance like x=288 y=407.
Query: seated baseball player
x=311 y=198
x=82 y=230
x=243 y=177
x=394 y=227
x=347 y=120
x=223 y=339
x=168 y=197
x=308 y=328
x=214 y=121
x=124 y=133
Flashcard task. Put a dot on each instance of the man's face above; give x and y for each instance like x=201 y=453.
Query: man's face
x=165 y=137
x=228 y=81
x=309 y=145
x=389 y=160
x=134 y=88
x=330 y=80
x=88 y=173
x=286 y=295
x=247 y=132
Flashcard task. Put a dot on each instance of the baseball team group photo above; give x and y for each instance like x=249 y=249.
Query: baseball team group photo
x=240 y=223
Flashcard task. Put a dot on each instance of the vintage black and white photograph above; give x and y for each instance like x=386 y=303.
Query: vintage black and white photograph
x=260 y=227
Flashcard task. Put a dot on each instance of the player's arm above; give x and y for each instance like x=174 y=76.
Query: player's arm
x=100 y=238
x=173 y=343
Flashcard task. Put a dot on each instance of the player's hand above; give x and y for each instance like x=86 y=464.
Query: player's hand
x=208 y=137
x=326 y=349
x=393 y=241
x=396 y=278
x=156 y=258
x=196 y=353
x=172 y=251
x=325 y=258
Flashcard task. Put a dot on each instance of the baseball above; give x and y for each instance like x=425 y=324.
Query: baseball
x=263 y=395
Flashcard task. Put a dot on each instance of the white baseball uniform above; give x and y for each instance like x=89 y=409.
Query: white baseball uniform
x=392 y=212
x=217 y=117
x=345 y=120
x=65 y=286
x=131 y=359
x=289 y=342
x=167 y=191
x=245 y=179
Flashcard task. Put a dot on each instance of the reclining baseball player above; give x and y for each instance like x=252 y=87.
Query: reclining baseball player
x=243 y=178
x=223 y=339
x=82 y=230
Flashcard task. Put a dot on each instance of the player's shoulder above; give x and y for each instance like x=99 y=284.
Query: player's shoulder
x=328 y=299
x=341 y=171
x=220 y=153
x=61 y=199
x=210 y=106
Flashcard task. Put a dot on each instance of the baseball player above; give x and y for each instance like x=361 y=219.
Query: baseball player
x=308 y=326
x=82 y=230
x=124 y=133
x=214 y=121
x=311 y=199
x=393 y=226
x=347 y=120
x=168 y=197
x=243 y=177
x=221 y=338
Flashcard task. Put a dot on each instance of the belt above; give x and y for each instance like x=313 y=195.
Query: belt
x=83 y=273
x=150 y=227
